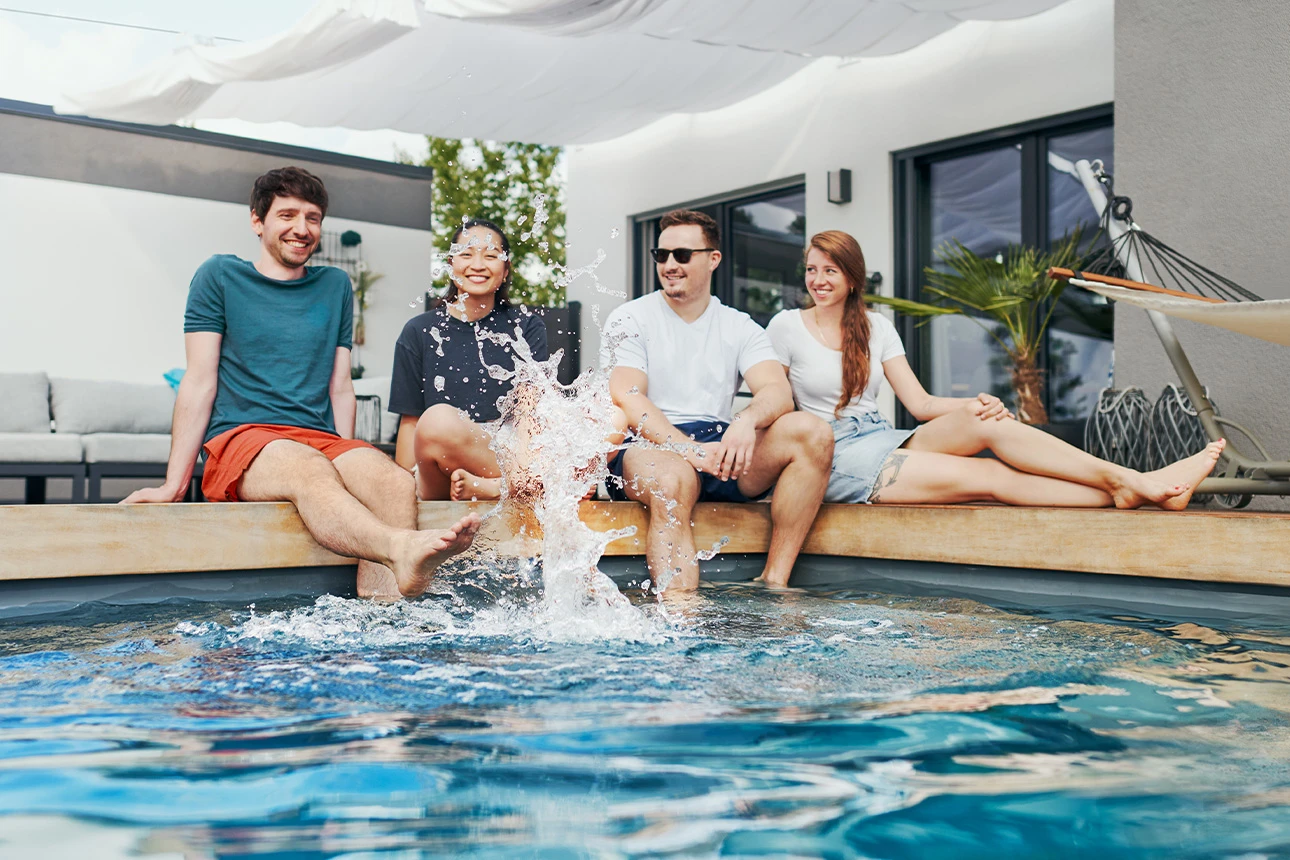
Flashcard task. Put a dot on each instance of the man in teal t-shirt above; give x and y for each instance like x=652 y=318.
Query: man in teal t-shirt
x=268 y=392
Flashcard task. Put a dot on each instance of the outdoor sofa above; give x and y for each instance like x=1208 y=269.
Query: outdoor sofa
x=82 y=429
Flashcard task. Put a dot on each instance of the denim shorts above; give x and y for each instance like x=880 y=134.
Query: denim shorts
x=711 y=488
x=860 y=447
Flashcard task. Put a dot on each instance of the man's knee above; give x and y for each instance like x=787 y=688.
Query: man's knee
x=372 y=468
x=660 y=478
x=810 y=435
x=293 y=467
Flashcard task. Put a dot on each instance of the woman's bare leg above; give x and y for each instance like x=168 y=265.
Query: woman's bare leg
x=1031 y=450
x=446 y=441
x=926 y=477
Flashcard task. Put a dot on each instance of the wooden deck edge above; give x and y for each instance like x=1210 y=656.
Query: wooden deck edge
x=53 y=541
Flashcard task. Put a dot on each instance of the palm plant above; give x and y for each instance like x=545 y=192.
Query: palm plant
x=1010 y=296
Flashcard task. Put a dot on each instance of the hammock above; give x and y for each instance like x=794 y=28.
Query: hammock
x=1264 y=319
x=1179 y=287
x=1185 y=289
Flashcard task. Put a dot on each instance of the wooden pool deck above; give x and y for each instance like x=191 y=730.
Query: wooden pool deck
x=61 y=541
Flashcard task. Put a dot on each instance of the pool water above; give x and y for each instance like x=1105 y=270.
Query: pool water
x=738 y=722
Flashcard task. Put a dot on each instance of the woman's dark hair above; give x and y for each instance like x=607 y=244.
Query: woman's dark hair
x=844 y=251
x=287 y=182
x=501 y=299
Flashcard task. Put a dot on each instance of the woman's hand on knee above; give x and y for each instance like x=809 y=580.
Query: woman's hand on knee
x=987 y=406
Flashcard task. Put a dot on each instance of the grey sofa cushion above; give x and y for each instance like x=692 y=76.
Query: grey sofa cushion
x=24 y=403
x=40 y=448
x=126 y=447
x=380 y=386
x=94 y=406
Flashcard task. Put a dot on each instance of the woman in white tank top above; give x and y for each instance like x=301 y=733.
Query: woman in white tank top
x=837 y=353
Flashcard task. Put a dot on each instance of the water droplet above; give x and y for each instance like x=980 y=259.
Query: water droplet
x=438 y=383
x=613 y=234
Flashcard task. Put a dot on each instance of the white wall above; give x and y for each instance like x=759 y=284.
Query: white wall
x=95 y=278
x=834 y=115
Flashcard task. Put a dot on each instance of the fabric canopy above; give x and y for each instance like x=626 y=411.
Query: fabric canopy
x=549 y=71
x=1266 y=320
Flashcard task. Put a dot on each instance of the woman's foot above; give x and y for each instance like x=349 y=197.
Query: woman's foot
x=1189 y=472
x=421 y=553
x=468 y=487
x=1169 y=488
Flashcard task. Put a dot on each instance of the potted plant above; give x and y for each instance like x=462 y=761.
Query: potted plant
x=363 y=283
x=1010 y=296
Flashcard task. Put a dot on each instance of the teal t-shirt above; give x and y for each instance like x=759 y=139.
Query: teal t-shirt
x=280 y=340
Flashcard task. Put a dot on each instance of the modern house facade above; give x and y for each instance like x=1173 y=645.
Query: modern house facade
x=956 y=139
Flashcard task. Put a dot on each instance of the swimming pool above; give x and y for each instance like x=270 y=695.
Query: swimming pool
x=738 y=722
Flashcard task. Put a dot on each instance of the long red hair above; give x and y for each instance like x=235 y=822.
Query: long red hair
x=844 y=251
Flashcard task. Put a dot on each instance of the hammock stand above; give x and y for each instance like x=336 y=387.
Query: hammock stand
x=1119 y=273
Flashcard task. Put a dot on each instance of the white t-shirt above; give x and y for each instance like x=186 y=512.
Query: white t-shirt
x=815 y=371
x=694 y=369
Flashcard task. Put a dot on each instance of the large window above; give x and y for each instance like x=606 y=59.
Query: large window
x=763 y=233
x=989 y=191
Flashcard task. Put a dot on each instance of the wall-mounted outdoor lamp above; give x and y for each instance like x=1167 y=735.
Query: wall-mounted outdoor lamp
x=840 y=186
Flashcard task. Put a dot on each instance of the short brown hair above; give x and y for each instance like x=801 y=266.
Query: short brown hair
x=702 y=220
x=287 y=182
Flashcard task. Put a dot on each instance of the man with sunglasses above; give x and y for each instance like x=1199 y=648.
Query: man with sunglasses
x=679 y=357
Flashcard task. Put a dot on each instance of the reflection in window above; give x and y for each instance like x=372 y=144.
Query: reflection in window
x=998 y=190
x=1080 y=355
x=766 y=242
x=976 y=200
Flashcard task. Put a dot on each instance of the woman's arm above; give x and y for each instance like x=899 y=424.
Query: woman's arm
x=924 y=406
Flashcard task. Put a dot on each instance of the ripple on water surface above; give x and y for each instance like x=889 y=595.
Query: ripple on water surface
x=737 y=722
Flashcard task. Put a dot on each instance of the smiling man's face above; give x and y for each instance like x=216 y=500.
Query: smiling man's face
x=683 y=281
x=290 y=231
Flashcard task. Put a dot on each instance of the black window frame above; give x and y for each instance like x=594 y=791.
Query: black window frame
x=644 y=279
x=911 y=196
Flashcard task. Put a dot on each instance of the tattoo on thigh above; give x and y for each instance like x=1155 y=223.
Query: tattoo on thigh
x=887 y=474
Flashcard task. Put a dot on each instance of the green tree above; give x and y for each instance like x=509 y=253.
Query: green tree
x=504 y=182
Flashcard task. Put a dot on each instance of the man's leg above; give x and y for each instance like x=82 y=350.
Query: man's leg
x=669 y=487
x=389 y=492
x=292 y=472
x=794 y=455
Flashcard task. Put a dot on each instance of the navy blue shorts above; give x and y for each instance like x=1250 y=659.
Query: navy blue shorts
x=711 y=488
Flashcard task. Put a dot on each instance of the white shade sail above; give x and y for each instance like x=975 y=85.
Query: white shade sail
x=549 y=71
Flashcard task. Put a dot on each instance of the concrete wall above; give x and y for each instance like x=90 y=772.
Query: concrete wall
x=829 y=116
x=95 y=278
x=1201 y=123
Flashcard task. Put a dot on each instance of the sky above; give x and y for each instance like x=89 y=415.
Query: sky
x=41 y=57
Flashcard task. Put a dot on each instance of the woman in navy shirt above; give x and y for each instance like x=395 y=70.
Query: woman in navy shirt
x=441 y=387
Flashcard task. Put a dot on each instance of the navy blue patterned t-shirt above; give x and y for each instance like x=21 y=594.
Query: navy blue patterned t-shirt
x=437 y=360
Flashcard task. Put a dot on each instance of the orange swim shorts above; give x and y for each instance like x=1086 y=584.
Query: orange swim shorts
x=230 y=453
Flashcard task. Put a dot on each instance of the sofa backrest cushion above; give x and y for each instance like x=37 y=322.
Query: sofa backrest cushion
x=94 y=406
x=24 y=403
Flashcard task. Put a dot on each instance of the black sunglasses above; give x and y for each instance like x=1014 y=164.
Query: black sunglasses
x=682 y=255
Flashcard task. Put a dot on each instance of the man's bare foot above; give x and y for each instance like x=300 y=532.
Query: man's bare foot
x=771 y=582
x=415 y=563
x=468 y=487
x=1169 y=488
x=1189 y=471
